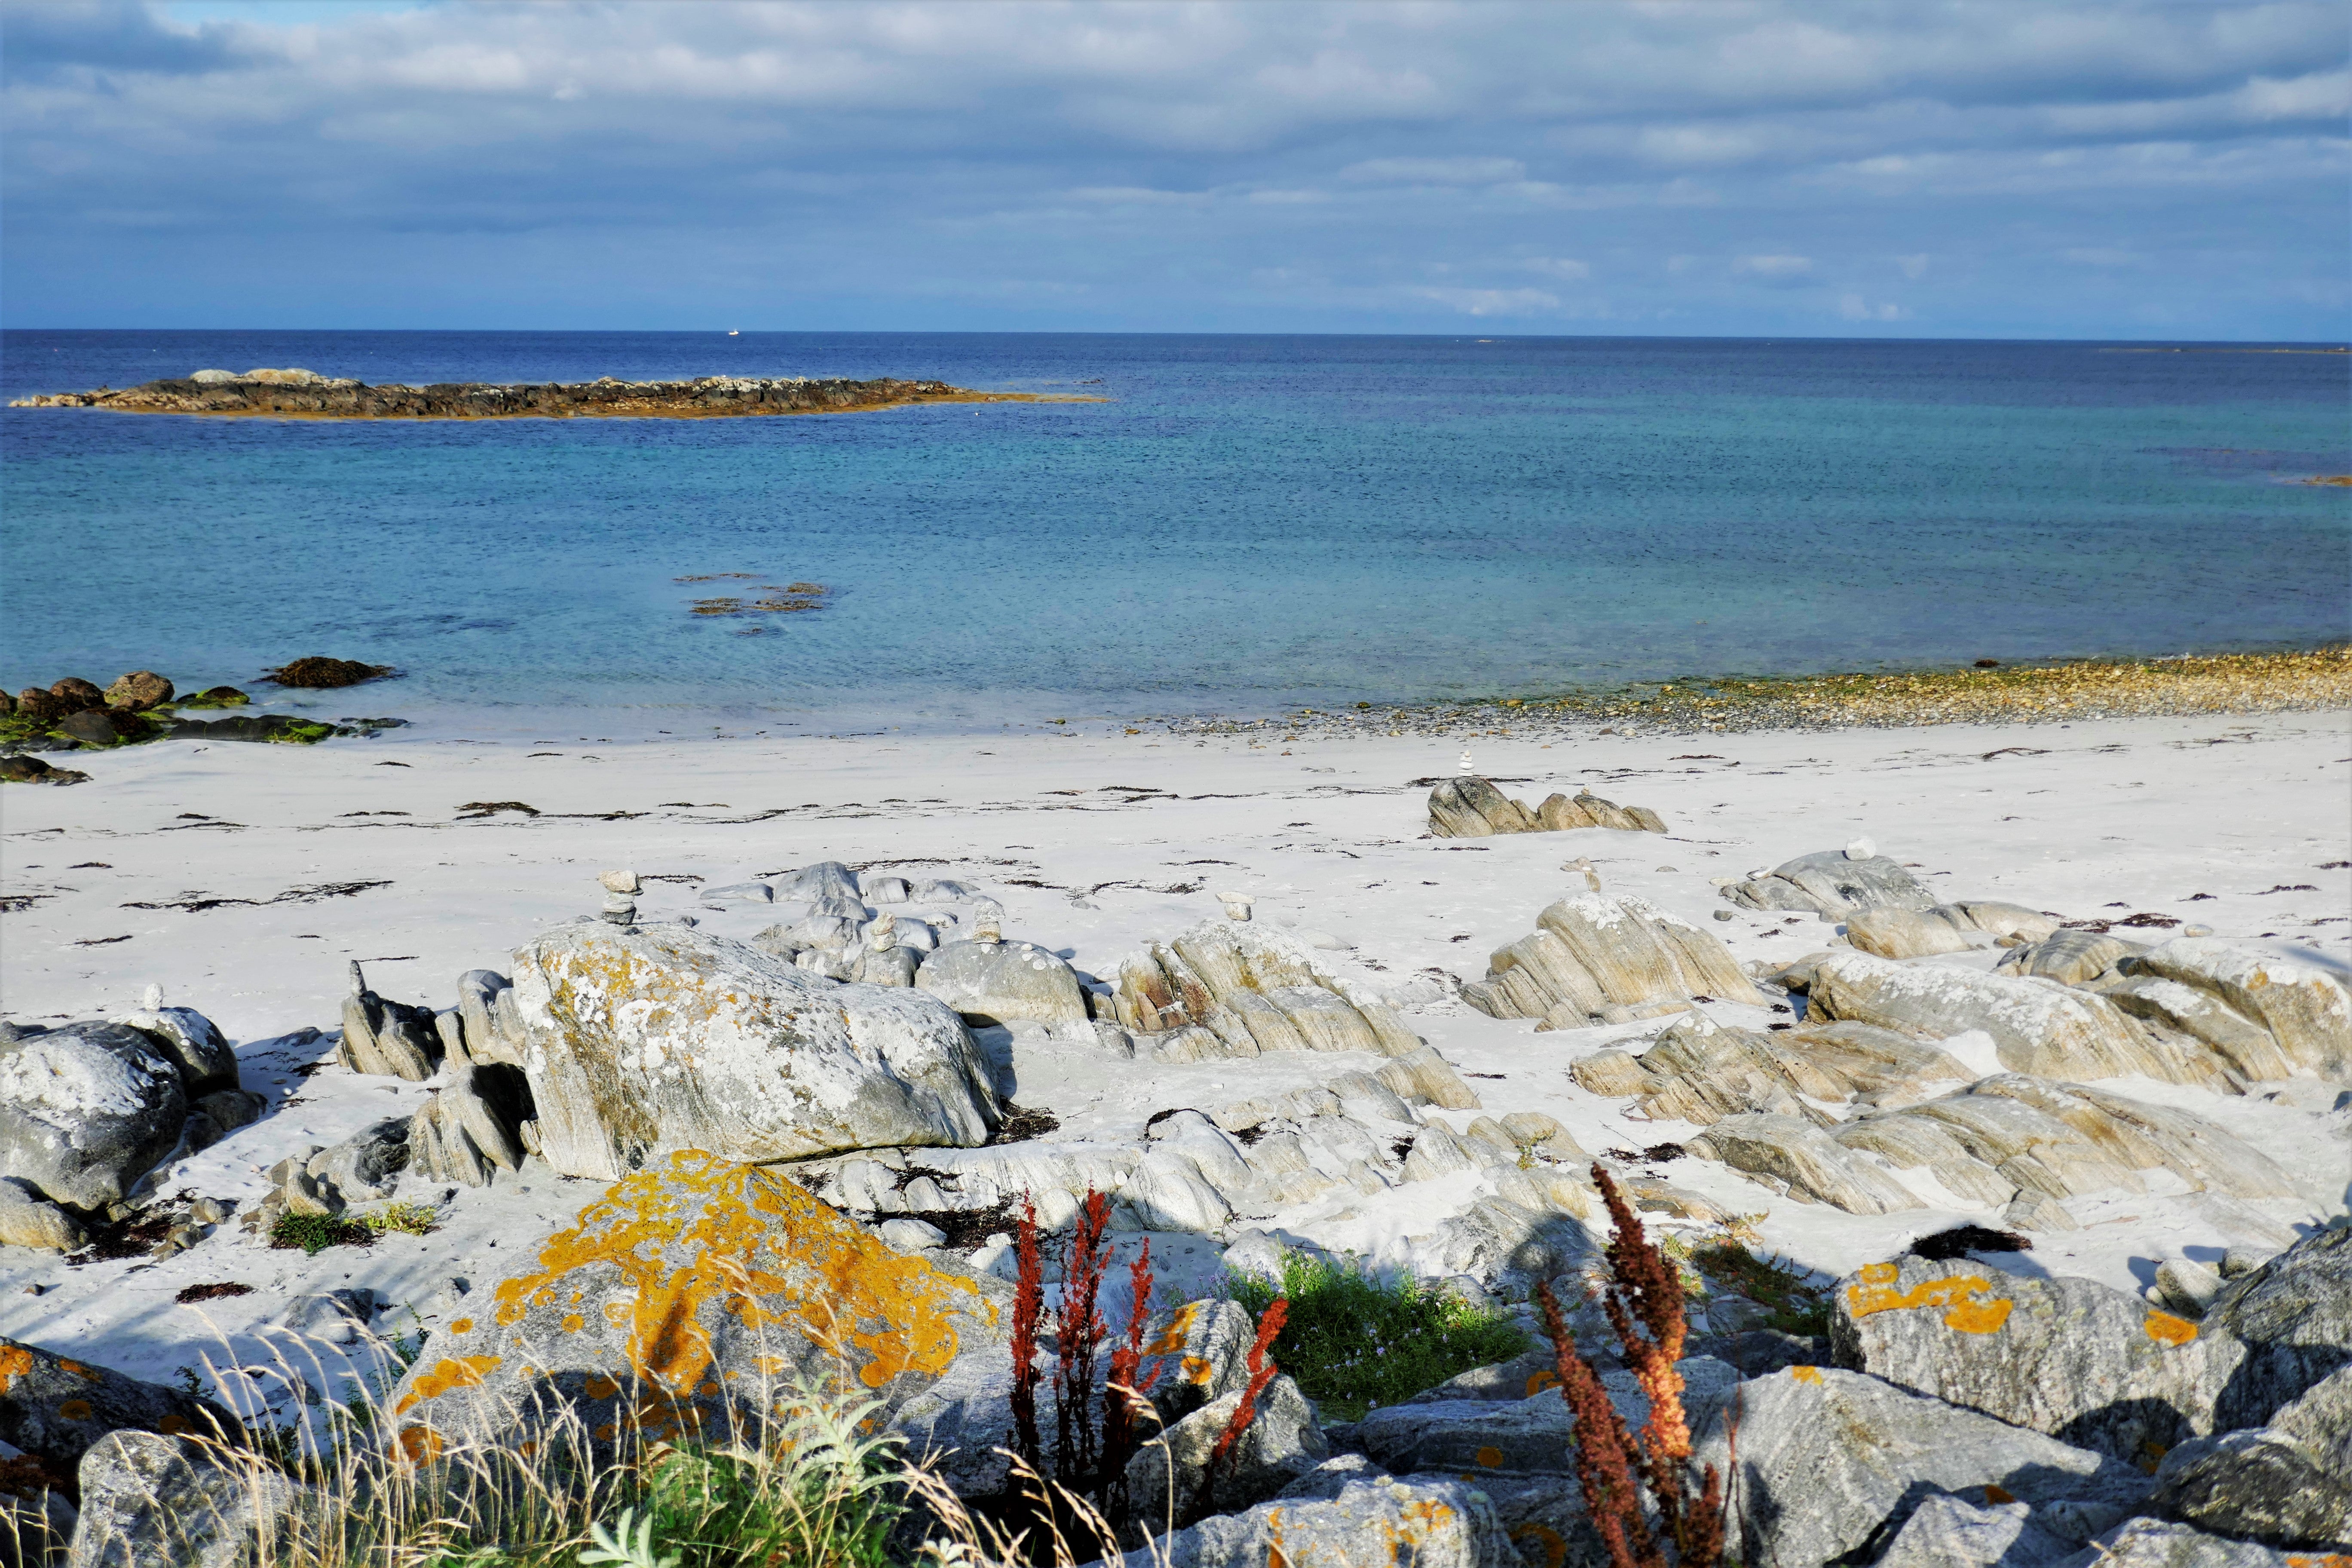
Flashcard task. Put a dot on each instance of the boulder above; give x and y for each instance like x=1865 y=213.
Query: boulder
x=87 y=1109
x=1825 y=1465
x=1531 y=1436
x=491 y=1026
x=2168 y=1005
x=1419 y=1523
x=1249 y=989
x=319 y=673
x=1950 y=1532
x=215 y=1116
x=1283 y=1442
x=364 y=1167
x=684 y=1302
x=17 y=768
x=55 y=1407
x=1700 y=1071
x=207 y=1061
x=472 y=1125
x=2289 y=1483
x=103 y=726
x=2306 y=1010
x=149 y=1501
x=1470 y=807
x=138 y=690
x=645 y=1039
x=2069 y=957
x=997 y=983
x=1829 y=883
x=29 y=1219
x=77 y=694
x=42 y=708
x=2072 y=1358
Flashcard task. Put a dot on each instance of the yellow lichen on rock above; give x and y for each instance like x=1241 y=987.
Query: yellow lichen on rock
x=1968 y=1299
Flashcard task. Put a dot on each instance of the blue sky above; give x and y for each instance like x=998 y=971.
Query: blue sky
x=1919 y=169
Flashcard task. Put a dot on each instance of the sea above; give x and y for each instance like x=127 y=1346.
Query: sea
x=1240 y=525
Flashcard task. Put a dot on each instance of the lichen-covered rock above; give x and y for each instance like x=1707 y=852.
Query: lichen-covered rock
x=1828 y=1465
x=1001 y=981
x=166 y=1502
x=1592 y=957
x=685 y=1301
x=86 y=1109
x=55 y=1406
x=2289 y=1483
x=2307 y=1010
x=651 y=1038
x=2072 y=1358
x=1804 y=1162
x=138 y=690
x=1382 y=1523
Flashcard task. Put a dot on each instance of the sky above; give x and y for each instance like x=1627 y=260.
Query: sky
x=1918 y=169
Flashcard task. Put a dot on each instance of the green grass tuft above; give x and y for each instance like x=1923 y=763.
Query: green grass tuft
x=1354 y=1341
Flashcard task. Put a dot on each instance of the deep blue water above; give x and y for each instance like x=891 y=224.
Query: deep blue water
x=1249 y=522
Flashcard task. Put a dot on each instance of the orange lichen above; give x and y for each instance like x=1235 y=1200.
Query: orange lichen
x=704 y=1234
x=462 y=1326
x=76 y=1410
x=1968 y=1299
x=1996 y=1494
x=1171 y=1339
x=421 y=1444
x=1546 y=1539
x=466 y=1372
x=574 y=1322
x=1491 y=1457
x=1540 y=1380
x=170 y=1426
x=2166 y=1330
x=1806 y=1373
x=1198 y=1369
x=15 y=1361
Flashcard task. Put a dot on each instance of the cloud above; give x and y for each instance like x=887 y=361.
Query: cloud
x=1854 y=308
x=1495 y=302
x=1153 y=163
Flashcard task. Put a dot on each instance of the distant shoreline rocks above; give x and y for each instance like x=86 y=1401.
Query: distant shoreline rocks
x=74 y=714
x=295 y=394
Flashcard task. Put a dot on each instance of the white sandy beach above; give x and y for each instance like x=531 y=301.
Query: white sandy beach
x=2092 y=818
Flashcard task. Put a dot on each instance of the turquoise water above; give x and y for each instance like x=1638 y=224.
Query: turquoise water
x=1246 y=522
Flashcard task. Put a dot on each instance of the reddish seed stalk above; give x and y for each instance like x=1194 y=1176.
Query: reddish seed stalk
x=1028 y=1302
x=1261 y=1371
x=1079 y=1331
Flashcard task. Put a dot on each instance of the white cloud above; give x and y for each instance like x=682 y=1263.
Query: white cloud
x=1493 y=301
x=1564 y=268
x=1854 y=308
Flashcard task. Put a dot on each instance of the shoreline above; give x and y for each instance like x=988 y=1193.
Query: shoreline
x=304 y=394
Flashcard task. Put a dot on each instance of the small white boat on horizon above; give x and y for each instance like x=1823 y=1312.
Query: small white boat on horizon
x=732 y=332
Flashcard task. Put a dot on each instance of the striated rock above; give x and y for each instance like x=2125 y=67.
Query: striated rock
x=149 y=1501
x=1831 y=1465
x=1948 y=1533
x=2306 y=1010
x=2294 y=1315
x=652 y=1039
x=1894 y=931
x=1828 y=883
x=2069 y=957
x=1700 y=1071
x=1798 y=1158
x=366 y=1167
x=1471 y=808
x=2159 y=1543
x=2168 y=1006
x=1425 y=1077
x=87 y=1109
x=471 y=1125
x=2288 y=1484
x=683 y=1303
x=138 y=690
x=2068 y=1357
x=1249 y=989
x=387 y=1039
x=997 y=983
x=1418 y=1523
x=1613 y=960
x=55 y=1407
x=2037 y=1025
x=491 y=1025
x=1530 y=1434
x=29 y=1219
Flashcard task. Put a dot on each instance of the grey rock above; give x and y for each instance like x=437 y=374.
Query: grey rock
x=664 y=1038
x=997 y=983
x=737 y=893
x=87 y=1109
x=1533 y=1436
x=471 y=1125
x=217 y=1115
x=2307 y=1010
x=826 y=879
x=2186 y=1285
x=1424 y=1524
x=912 y=1234
x=1895 y=932
x=29 y=1219
x=1522 y=1378
x=337 y=1317
x=364 y=1167
x=1283 y=1442
x=1828 y=883
x=2289 y=1484
x=2072 y=1358
x=386 y=1038
x=2294 y=1315
x=1595 y=957
x=1948 y=1533
x=1804 y=1162
x=150 y=1502
x=2069 y=957
x=36 y=1526
x=492 y=1029
x=2160 y=1544
x=1470 y=807
x=1831 y=1465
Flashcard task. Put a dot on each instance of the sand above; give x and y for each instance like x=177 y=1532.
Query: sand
x=243 y=877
